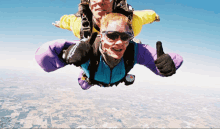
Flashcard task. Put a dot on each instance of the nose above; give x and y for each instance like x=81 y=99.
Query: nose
x=119 y=41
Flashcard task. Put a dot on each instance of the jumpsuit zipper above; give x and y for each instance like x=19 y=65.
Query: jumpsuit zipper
x=110 y=75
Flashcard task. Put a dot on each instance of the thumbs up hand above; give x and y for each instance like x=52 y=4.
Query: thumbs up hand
x=164 y=63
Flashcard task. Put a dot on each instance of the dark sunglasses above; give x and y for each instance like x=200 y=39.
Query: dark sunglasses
x=113 y=35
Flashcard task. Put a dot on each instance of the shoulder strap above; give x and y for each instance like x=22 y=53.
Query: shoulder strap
x=129 y=58
x=96 y=26
x=86 y=19
x=94 y=59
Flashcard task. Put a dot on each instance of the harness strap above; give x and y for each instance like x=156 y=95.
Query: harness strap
x=101 y=84
x=96 y=26
x=86 y=20
x=94 y=59
x=129 y=57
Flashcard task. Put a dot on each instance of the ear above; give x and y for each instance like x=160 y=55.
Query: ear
x=102 y=38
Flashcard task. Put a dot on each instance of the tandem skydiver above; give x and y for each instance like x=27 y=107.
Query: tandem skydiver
x=87 y=19
x=106 y=59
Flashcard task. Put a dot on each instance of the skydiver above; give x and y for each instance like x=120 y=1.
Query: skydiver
x=95 y=9
x=106 y=59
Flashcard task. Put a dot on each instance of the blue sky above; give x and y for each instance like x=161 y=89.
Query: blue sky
x=187 y=27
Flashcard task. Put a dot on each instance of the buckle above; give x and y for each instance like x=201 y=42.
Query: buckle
x=100 y=85
x=107 y=85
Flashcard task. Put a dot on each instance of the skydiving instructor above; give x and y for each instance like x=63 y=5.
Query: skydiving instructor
x=94 y=10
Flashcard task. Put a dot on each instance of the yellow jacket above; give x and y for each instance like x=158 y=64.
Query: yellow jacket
x=140 y=18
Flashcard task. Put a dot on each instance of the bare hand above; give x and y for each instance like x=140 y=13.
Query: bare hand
x=57 y=24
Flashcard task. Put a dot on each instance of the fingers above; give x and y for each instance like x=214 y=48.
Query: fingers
x=57 y=24
x=164 y=63
x=159 y=49
x=173 y=71
x=168 y=70
x=165 y=69
x=165 y=66
x=157 y=18
x=93 y=37
x=54 y=24
x=161 y=59
x=160 y=65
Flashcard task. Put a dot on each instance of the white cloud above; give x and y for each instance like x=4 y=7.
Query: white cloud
x=183 y=77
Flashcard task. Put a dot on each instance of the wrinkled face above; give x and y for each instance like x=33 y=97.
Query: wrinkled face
x=100 y=7
x=116 y=41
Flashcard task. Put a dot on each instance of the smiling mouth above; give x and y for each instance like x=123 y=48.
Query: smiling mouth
x=117 y=50
x=100 y=10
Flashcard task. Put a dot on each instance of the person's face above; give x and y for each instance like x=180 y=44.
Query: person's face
x=100 y=7
x=116 y=41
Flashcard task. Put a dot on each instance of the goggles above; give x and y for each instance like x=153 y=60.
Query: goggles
x=113 y=35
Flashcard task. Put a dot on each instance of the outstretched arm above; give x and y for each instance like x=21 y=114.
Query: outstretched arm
x=141 y=18
x=49 y=55
x=147 y=16
x=56 y=23
x=65 y=22
x=147 y=56
x=70 y=22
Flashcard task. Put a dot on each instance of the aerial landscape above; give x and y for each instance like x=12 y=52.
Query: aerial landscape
x=35 y=95
x=28 y=100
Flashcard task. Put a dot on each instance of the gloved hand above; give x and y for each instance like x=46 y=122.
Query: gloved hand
x=164 y=63
x=48 y=55
x=79 y=53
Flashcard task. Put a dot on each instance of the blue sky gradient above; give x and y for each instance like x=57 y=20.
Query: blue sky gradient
x=187 y=27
